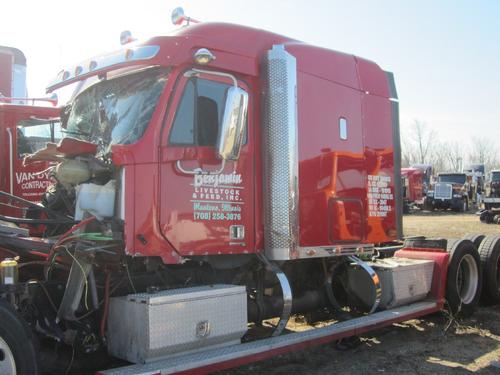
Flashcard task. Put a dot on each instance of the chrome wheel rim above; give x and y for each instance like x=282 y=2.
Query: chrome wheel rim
x=7 y=363
x=467 y=279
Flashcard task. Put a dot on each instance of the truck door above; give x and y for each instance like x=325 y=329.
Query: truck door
x=205 y=207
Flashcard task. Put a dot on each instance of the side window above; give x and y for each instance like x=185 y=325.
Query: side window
x=31 y=138
x=199 y=115
x=182 y=132
x=343 y=128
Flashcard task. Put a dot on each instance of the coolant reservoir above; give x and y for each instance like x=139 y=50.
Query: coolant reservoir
x=8 y=271
x=72 y=171
x=97 y=200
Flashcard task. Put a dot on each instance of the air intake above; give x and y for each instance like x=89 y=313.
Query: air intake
x=280 y=155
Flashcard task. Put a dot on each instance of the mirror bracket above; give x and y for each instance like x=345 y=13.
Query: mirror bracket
x=199 y=170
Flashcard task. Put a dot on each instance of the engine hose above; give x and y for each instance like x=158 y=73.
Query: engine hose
x=106 y=304
x=19 y=220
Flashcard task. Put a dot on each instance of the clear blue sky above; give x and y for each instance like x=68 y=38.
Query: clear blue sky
x=445 y=54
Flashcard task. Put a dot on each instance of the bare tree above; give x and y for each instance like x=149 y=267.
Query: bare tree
x=483 y=151
x=452 y=153
x=438 y=158
x=424 y=140
x=418 y=144
x=407 y=149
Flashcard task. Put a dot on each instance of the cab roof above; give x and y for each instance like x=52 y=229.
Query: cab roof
x=249 y=44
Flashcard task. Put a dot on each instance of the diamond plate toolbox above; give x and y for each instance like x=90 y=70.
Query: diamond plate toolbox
x=145 y=327
x=403 y=281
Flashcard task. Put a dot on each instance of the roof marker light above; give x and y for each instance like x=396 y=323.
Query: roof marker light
x=92 y=65
x=203 y=56
x=78 y=70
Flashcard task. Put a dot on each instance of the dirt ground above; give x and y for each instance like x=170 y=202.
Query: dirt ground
x=446 y=224
x=432 y=345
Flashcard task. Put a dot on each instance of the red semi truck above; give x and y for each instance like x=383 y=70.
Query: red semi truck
x=24 y=129
x=220 y=177
x=415 y=183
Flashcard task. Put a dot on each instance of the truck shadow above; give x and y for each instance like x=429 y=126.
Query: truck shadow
x=419 y=346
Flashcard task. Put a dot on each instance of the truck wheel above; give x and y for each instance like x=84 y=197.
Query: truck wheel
x=486 y=217
x=489 y=251
x=17 y=350
x=464 y=279
x=475 y=238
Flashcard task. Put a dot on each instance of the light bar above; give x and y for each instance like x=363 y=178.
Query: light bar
x=99 y=63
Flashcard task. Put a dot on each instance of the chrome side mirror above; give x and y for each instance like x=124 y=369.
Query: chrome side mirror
x=233 y=124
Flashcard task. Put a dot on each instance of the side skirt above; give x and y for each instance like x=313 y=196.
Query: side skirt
x=216 y=359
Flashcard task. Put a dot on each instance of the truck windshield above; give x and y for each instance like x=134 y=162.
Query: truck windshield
x=495 y=176
x=32 y=135
x=452 y=178
x=118 y=110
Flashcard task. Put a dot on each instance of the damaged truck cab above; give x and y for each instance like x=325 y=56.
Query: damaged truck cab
x=216 y=178
x=158 y=111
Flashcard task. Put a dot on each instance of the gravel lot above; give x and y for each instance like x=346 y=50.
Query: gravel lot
x=433 y=345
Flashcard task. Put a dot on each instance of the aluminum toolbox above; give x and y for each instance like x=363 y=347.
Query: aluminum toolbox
x=145 y=327
x=403 y=281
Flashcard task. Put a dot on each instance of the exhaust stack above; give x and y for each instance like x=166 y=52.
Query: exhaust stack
x=280 y=155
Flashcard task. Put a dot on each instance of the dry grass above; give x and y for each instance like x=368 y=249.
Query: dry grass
x=446 y=224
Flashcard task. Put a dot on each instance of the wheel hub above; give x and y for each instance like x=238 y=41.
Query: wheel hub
x=467 y=279
x=7 y=363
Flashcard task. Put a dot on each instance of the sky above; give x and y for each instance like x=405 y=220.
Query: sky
x=445 y=54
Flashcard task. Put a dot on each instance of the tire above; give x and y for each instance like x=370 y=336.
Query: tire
x=464 y=278
x=17 y=344
x=489 y=251
x=486 y=217
x=475 y=238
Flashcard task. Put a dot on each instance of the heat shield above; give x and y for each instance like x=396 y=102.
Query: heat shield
x=280 y=154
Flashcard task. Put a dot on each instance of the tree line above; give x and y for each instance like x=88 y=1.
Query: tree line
x=421 y=144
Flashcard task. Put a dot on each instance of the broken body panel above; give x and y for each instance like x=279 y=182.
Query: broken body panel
x=346 y=174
